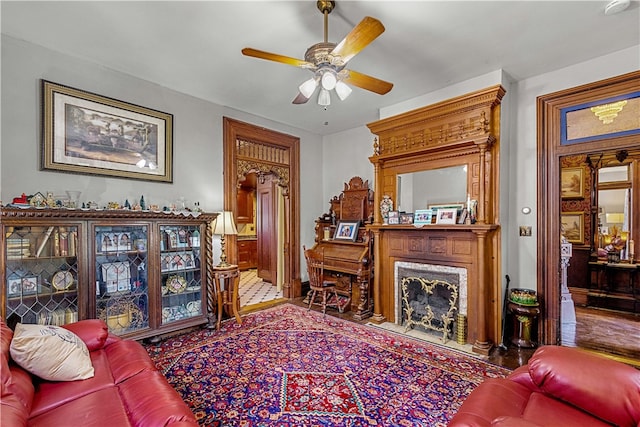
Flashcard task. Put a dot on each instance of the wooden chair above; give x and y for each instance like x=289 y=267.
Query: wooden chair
x=318 y=283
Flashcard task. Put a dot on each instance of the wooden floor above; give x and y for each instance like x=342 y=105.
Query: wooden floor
x=615 y=333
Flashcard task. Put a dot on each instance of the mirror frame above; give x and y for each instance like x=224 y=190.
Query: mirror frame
x=462 y=131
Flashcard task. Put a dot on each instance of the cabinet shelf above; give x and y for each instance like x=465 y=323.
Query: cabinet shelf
x=122 y=286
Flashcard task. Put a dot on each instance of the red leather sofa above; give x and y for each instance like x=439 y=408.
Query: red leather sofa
x=126 y=389
x=560 y=386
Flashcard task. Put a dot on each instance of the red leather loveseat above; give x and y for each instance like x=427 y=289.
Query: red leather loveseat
x=125 y=390
x=560 y=386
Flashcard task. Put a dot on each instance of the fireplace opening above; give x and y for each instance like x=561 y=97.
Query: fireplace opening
x=429 y=303
x=429 y=297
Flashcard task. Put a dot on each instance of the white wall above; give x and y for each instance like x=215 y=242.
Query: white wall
x=197 y=137
x=345 y=155
x=523 y=173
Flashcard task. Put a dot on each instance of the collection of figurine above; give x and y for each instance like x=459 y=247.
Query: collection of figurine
x=38 y=200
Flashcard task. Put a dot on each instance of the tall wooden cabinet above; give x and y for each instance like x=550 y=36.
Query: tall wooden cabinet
x=144 y=273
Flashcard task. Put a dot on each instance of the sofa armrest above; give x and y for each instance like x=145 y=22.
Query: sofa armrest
x=93 y=332
x=605 y=388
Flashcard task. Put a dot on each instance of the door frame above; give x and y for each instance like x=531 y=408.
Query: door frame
x=550 y=152
x=286 y=167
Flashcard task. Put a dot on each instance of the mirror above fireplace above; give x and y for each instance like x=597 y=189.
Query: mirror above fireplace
x=418 y=190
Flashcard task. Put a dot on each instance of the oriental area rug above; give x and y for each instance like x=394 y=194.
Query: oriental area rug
x=286 y=366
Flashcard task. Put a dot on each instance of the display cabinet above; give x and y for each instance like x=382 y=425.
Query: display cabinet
x=143 y=273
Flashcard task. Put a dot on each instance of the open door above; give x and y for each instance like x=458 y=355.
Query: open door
x=266 y=229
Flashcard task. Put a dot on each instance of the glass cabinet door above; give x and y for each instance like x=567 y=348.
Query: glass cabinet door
x=41 y=275
x=180 y=269
x=122 y=291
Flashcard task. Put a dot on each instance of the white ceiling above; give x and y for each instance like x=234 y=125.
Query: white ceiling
x=194 y=47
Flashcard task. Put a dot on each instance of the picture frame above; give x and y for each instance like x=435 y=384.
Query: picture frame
x=86 y=133
x=114 y=242
x=406 y=217
x=572 y=183
x=394 y=218
x=573 y=226
x=25 y=285
x=457 y=205
x=462 y=216
x=423 y=216
x=446 y=216
x=347 y=230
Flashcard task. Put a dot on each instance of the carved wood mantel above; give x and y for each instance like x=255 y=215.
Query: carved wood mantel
x=461 y=131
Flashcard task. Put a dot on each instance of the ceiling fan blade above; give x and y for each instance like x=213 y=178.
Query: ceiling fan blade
x=364 y=33
x=364 y=81
x=247 y=51
x=300 y=99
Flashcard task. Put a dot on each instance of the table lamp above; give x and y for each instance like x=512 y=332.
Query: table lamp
x=223 y=226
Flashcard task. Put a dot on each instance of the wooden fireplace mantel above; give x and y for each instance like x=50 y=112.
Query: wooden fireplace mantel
x=461 y=131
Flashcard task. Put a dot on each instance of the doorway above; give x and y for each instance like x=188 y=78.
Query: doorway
x=272 y=157
x=560 y=116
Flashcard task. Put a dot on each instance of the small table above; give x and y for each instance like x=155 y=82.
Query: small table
x=226 y=281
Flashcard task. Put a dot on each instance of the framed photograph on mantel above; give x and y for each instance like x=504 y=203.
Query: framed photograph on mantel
x=90 y=134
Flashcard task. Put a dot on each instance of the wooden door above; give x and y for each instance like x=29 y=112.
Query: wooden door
x=266 y=225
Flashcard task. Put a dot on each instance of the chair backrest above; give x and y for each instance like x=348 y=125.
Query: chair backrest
x=315 y=267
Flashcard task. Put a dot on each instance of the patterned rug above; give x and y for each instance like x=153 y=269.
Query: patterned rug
x=286 y=366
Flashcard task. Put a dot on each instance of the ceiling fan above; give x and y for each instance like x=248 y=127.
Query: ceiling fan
x=327 y=61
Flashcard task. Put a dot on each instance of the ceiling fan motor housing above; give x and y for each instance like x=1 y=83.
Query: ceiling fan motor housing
x=318 y=54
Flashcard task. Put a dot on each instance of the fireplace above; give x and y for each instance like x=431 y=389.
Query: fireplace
x=429 y=296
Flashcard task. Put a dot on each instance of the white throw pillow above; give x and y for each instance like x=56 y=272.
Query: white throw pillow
x=51 y=352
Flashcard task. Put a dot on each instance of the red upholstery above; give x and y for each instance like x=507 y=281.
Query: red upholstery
x=561 y=386
x=126 y=390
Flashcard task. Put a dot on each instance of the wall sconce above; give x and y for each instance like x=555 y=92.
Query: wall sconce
x=223 y=225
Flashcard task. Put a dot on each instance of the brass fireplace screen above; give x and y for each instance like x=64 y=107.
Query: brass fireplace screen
x=430 y=304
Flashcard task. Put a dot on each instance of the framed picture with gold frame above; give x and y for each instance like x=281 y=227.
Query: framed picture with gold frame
x=573 y=227
x=83 y=132
x=572 y=183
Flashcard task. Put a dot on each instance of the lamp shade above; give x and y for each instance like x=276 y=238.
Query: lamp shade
x=308 y=87
x=324 y=98
x=224 y=224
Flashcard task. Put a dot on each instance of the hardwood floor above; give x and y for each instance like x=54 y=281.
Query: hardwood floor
x=614 y=333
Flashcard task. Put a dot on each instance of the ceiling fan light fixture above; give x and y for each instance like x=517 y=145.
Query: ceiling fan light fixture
x=329 y=79
x=343 y=90
x=324 y=98
x=308 y=87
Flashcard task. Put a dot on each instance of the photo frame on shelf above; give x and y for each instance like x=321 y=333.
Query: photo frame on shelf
x=406 y=217
x=573 y=226
x=114 y=242
x=25 y=285
x=83 y=132
x=434 y=207
x=462 y=217
x=572 y=183
x=347 y=230
x=446 y=216
x=394 y=218
x=422 y=216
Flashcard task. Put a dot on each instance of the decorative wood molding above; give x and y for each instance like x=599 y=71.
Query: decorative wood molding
x=459 y=131
x=550 y=153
